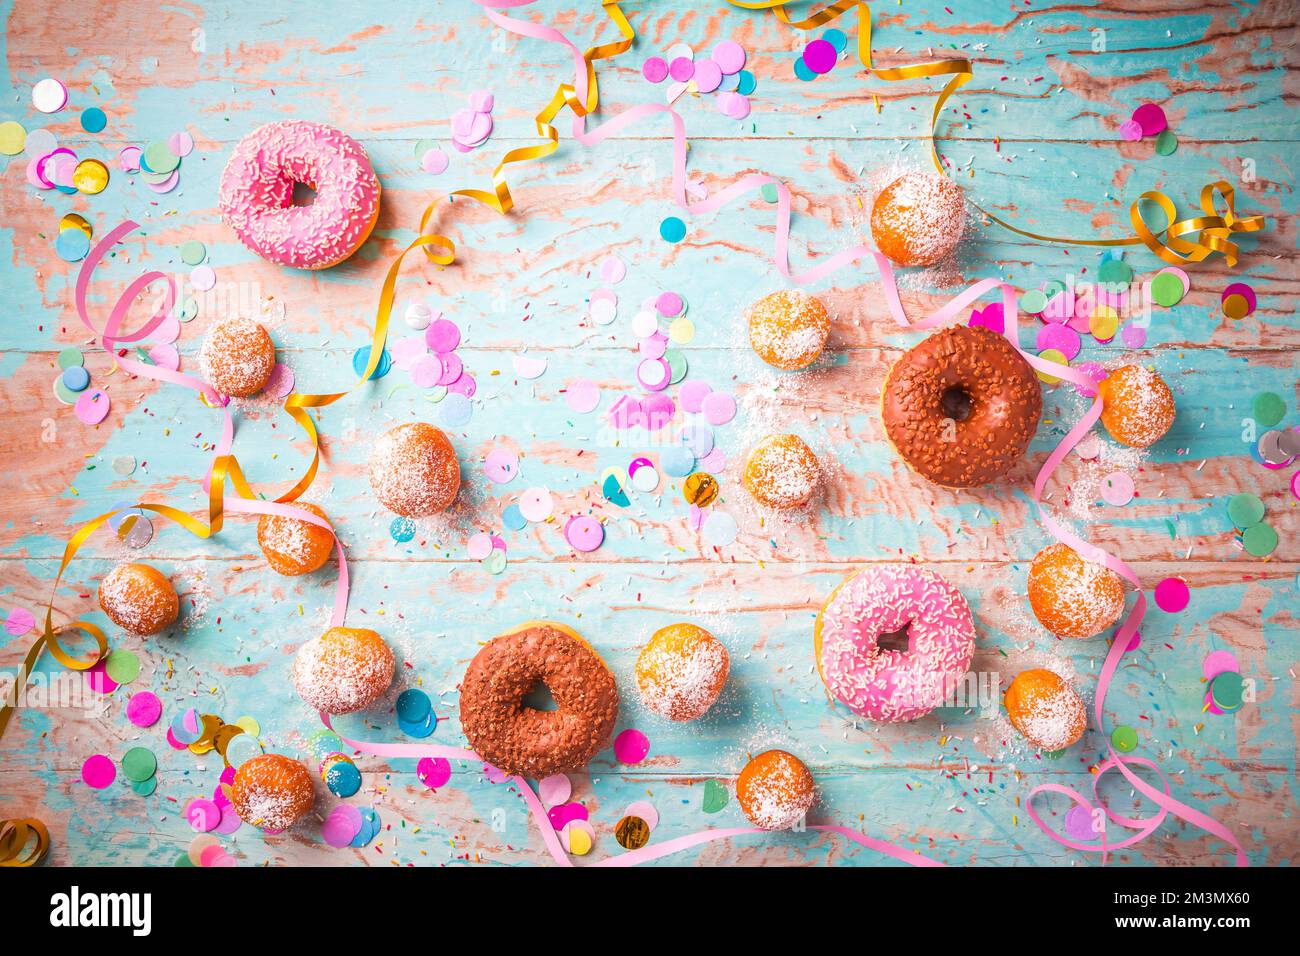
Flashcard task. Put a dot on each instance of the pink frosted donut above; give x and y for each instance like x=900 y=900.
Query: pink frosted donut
x=894 y=641
x=257 y=194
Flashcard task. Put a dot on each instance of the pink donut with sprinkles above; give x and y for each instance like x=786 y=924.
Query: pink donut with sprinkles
x=257 y=194
x=893 y=642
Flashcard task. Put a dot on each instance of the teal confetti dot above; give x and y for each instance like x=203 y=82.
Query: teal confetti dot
x=93 y=120
x=361 y=358
x=513 y=518
x=770 y=192
x=1245 y=510
x=1116 y=271
x=746 y=82
x=1268 y=408
x=671 y=229
x=1166 y=143
x=836 y=38
x=801 y=70
x=402 y=530
x=1259 y=541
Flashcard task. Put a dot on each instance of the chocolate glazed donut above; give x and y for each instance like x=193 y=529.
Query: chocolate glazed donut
x=961 y=407
x=522 y=740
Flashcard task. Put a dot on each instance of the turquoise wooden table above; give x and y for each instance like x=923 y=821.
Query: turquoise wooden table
x=1034 y=138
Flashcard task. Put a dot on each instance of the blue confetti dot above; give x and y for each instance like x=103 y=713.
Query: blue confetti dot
x=413 y=706
x=672 y=229
x=836 y=38
x=677 y=461
x=402 y=530
x=343 y=778
x=418 y=728
x=745 y=82
x=801 y=70
x=370 y=827
x=513 y=518
x=454 y=411
x=361 y=358
x=93 y=120
x=72 y=245
x=76 y=378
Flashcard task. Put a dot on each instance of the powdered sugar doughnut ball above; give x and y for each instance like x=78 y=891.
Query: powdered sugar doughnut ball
x=781 y=472
x=918 y=219
x=680 y=672
x=775 y=790
x=1137 y=407
x=139 y=599
x=1046 y=710
x=237 y=357
x=788 y=329
x=413 y=470
x=344 y=670
x=272 y=792
x=293 y=546
x=1072 y=597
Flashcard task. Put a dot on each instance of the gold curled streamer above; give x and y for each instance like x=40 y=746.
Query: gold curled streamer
x=16 y=834
x=1212 y=230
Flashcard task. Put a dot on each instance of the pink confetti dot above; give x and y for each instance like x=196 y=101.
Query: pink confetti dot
x=554 y=790
x=1219 y=662
x=654 y=69
x=692 y=395
x=203 y=815
x=465 y=385
x=181 y=144
x=733 y=105
x=433 y=772
x=341 y=825
x=658 y=410
x=165 y=356
x=730 y=56
x=144 y=709
x=98 y=772
x=631 y=746
x=435 y=162
x=565 y=813
x=708 y=76
x=427 y=371
x=668 y=304
x=92 y=406
x=819 y=56
x=203 y=278
x=1133 y=336
x=98 y=680
x=19 y=622
x=501 y=466
x=1151 y=118
x=1134 y=642
x=613 y=270
x=681 y=69
x=1131 y=130
x=280 y=384
x=582 y=396
x=1117 y=489
x=442 y=335
x=584 y=532
x=719 y=408
x=1172 y=595
x=452 y=368
x=480 y=546
x=1060 y=337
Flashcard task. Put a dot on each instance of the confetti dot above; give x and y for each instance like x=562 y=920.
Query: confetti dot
x=1268 y=408
x=122 y=665
x=433 y=772
x=49 y=95
x=655 y=69
x=1166 y=289
x=730 y=56
x=93 y=120
x=819 y=56
x=13 y=138
x=672 y=230
x=98 y=772
x=631 y=746
x=1151 y=118
x=1228 y=690
x=1166 y=143
x=139 y=763
x=1216 y=662
x=720 y=529
x=584 y=533
x=1245 y=510
x=582 y=395
x=1259 y=541
x=1124 y=738
x=719 y=408
x=1117 y=489
x=1172 y=595
x=92 y=407
x=536 y=504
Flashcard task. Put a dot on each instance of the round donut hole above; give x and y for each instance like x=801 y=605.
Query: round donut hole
x=539 y=698
x=899 y=640
x=957 y=403
x=304 y=194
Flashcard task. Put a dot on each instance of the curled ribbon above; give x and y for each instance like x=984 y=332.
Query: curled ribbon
x=23 y=842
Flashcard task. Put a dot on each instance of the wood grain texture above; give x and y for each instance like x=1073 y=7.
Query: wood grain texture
x=1035 y=137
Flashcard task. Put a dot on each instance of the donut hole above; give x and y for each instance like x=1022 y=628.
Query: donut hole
x=539 y=697
x=304 y=194
x=899 y=640
x=956 y=403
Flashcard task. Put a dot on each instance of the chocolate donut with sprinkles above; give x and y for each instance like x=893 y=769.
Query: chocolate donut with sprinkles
x=523 y=740
x=893 y=641
x=961 y=407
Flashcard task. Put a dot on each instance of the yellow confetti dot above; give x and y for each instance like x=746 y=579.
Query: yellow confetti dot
x=683 y=330
x=73 y=221
x=250 y=726
x=1235 y=306
x=1103 y=323
x=90 y=176
x=1052 y=355
x=579 y=842
x=12 y=138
